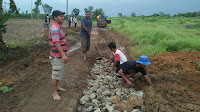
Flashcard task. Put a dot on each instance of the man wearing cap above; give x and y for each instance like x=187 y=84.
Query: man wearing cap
x=129 y=68
x=86 y=33
x=58 y=53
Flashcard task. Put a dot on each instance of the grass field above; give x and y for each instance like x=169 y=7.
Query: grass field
x=152 y=35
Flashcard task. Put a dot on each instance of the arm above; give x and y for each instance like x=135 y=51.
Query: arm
x=116 y=58
x=83 y=26
x=58 y=47
x=114 y=65
x=108 y=65
x=148 y=80
x=124 y=77
x=90 y=33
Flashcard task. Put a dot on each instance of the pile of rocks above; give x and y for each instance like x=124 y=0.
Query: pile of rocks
x=105 y=93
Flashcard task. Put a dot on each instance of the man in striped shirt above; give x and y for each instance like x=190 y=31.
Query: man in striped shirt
x=58 y=53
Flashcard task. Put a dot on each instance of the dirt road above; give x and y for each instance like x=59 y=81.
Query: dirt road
x=30 y=77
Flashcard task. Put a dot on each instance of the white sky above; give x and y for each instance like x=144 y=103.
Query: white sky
x=113 y=7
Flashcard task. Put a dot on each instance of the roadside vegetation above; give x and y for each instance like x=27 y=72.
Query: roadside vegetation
x=153 y=35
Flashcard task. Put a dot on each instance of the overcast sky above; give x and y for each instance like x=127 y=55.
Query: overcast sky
x=113 y=7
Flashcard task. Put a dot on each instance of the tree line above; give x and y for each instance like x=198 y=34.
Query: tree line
x=162 y=14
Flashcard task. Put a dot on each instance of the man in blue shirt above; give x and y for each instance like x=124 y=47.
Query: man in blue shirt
x=86 y=33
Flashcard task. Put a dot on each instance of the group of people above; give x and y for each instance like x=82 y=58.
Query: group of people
x=72 y=20
x=59 y=56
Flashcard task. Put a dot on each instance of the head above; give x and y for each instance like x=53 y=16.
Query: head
x=75 y=16
x=58 y=16
x=47 y=14
x=88 y=14
x=112 y=46
x=143 y=61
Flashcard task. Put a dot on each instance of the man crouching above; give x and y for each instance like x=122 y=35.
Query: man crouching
x=130 y=68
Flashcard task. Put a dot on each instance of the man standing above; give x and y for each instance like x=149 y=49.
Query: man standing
x=117 y=57
x=130 y=68
x=69 y=21
x=47 y=22
x=75 y=21
x=86 y=32
x=58 y=53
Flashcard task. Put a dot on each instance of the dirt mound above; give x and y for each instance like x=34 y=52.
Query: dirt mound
x=182 y=62
x=176 y=82
x=182 y=65
x=171 y=98
x=72 y=31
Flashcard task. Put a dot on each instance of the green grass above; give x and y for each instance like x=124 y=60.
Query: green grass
x=21 y=49
x=198 y=65
x=153 y=35
x=6 y=89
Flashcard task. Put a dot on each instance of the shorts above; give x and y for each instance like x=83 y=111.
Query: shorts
x=58 y=67
x=85 y=43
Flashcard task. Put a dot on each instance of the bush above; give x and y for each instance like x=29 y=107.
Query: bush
x=182 y=44
x=181 y=21
x=198 y=65
x=152 y=20
x=193 y=26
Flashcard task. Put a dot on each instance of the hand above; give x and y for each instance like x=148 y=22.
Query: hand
x=106 y=69
x=65 y=59
x=110 y=70
x=129 y=83
x=90 y=34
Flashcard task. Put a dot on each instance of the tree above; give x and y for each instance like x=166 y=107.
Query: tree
x=37 y=4
x=198 y=14
x=35 y=10
x=133 y=14
x=156 y=15
x=75 y=11
x=98 y=12
x=47 y=8
x=3 y=19
x=120 y=14
x=90 y=8
x=26 y=12
x=162 y=14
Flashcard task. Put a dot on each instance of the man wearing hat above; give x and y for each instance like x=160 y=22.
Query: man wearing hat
x=58 y=53
x=129 y=68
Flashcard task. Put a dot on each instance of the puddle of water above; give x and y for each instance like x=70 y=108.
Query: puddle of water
x=75 y=47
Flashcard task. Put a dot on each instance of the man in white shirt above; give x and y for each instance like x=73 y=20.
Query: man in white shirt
x=71 y=19
x=117 y=57
x=75 y=21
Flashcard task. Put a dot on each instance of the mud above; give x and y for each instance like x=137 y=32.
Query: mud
x=30 y=76
x=176 y=83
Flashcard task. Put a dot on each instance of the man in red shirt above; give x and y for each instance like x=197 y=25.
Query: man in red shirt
x=117 y=57
x=58 y=53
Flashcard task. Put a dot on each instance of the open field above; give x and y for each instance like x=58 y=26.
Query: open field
x=153 y=35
